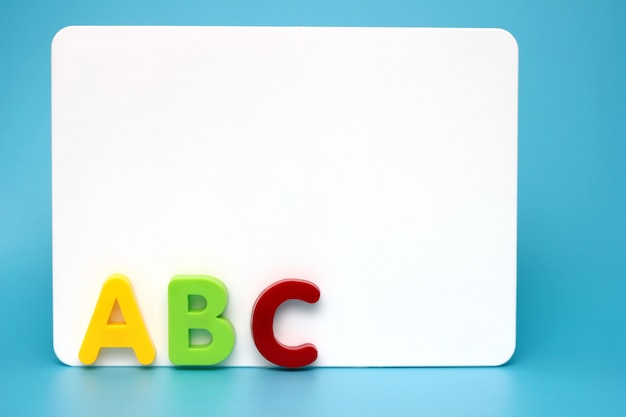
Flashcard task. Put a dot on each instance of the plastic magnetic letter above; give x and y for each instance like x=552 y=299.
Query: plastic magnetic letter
x=131 y=333
x=183 y=319
x=263 y=314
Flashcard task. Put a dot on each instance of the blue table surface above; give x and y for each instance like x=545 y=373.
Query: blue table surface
x=522 y=388
x=571 y=325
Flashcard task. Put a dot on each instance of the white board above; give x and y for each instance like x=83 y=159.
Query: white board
x=378 y=163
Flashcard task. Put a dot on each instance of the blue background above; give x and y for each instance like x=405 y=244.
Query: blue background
x=571 y=353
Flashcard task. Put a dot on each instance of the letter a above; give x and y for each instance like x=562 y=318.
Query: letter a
x=101 y=333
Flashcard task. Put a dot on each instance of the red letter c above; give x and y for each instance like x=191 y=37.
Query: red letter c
x=263 y=314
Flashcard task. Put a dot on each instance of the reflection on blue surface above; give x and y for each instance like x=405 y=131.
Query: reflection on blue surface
x=513 y=390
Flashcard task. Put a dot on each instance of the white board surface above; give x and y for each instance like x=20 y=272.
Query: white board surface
x=378 y=163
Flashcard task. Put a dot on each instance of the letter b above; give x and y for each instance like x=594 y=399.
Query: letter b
x=183 y=319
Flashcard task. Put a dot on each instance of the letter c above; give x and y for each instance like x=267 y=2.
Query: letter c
x=262 y=324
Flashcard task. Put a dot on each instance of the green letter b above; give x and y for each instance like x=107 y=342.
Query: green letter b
x=183 y=319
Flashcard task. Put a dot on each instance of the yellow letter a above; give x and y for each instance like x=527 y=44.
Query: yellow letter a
x=103 y=334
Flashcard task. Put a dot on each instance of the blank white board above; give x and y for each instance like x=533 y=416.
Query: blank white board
x=378 y=163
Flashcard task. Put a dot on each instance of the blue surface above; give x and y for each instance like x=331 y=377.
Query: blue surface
x=571 y=354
